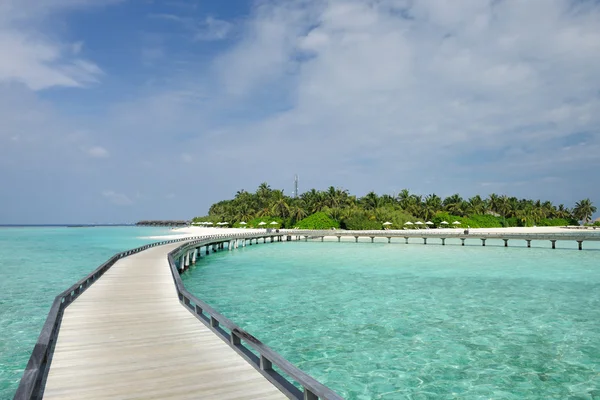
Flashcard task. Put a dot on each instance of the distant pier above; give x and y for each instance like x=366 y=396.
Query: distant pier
x=578 y=236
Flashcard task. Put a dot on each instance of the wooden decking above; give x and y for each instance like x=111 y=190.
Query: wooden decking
x=128 y=337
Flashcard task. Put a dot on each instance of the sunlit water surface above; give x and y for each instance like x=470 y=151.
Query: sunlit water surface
x=397 y=321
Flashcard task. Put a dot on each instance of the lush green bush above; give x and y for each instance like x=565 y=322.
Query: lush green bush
x=361 y=221
x=318 y=220
x=556 y=222
x=484 y=221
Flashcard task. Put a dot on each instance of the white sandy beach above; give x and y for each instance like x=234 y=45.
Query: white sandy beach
x=190 y=231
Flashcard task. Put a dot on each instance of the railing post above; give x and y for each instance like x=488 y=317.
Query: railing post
x=265 y=363
x=235 y=339
x=308 y=395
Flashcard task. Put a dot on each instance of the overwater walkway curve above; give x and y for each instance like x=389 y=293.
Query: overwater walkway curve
x=128 y=336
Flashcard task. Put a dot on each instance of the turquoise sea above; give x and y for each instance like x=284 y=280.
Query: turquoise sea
x=397 y=321
x=36 y=264
x=371 y=321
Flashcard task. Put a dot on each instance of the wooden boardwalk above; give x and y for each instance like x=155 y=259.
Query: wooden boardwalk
x=129 y=337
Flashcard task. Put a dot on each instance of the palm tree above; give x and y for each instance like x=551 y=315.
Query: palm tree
x=370 y=201
x=584 y=210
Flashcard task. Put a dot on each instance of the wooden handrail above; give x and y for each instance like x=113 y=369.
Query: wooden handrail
x=238 y=336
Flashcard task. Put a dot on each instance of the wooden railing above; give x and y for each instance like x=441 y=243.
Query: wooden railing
x=243 y=342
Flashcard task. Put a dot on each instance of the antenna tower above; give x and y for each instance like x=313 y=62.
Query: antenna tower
x=296 y=186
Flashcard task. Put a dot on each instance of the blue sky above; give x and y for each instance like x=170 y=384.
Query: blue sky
x=120 y=110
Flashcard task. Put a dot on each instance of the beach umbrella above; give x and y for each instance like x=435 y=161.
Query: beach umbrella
x=418 y=223
x=387 y=223
x=274 y=223
x=208 y=223
x=444 y=223
x=456 y=223
x=429 y=223
x=242 y=223
x=408 y=223
x=262 y=223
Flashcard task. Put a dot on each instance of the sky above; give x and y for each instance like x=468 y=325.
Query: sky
x=112 y=111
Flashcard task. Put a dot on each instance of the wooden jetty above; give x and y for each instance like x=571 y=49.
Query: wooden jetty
x=130 y=330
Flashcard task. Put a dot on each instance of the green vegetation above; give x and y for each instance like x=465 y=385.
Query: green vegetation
x=335 y=208
x=318 y=220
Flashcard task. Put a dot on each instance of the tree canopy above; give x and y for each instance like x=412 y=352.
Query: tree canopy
x=337 y=207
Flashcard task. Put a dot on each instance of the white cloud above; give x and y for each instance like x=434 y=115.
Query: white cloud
x=31 y=57
x=213 y=29
x=98 y=152
x=440 y=96
x=118 y=199
x=443 y=79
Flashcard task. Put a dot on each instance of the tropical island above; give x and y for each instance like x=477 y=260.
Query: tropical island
x=337 y=208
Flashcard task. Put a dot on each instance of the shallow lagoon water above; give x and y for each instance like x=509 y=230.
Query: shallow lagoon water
x=396 y=321
x=36 y=264
x=370 y=320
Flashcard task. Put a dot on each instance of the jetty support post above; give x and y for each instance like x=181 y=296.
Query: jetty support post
x=553 y=244
x=339 y=238
x=528 y=242
x=389 y=240
x=505 y=242
x=462 y=241
x=194 y=256
x=579 y=243
x=424 y=240
x=406 y=239
x=483 y=242
x=322 y=238
x=372 y=239
x=443 y=241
